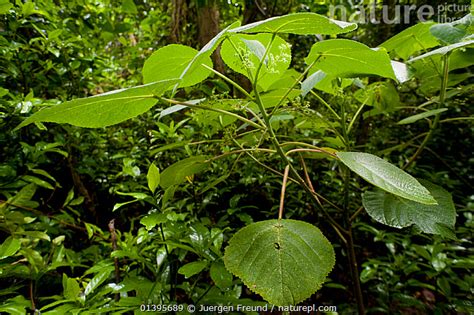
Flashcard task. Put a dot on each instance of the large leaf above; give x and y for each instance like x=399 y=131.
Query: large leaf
x=251 y=49
x=285 y=261
x=386 y=176
x=348 y=58
x=398 y=212
x=105 y=109
x=411 y=40
x=298 y=23
x=169 y=62
x=444 y=50
x=176 y=173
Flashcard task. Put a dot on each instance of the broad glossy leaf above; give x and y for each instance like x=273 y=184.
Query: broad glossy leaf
x=298 y=23
x=104 y=109
x=192 y=268
x=444 y=50
x=285 y=261
x=98 y=279
x=176 y=173
x=348 y=58
x=415 y=118
x=386 y=176
x=399 y=212
x=411 y=40
x=153 y=219
x=9 y=247
x=249 y=53
x=153 y=177
x=169 y=62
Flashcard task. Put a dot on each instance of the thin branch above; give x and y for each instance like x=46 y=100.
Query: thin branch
x=225 y=78
x=218 y=110
x=113 y=240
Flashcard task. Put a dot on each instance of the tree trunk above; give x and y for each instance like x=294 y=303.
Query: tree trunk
x=208 y=27
x=178 y=20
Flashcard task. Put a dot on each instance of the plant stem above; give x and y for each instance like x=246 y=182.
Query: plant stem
x=225 y=78
x=350 y=236
x=442 y=98
x=321 y=100
x=113 y=240
x=355 y=272
x=282 y=195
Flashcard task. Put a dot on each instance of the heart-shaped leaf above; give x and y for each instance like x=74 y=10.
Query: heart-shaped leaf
x=285 y=261
x=398 y=212
x=386 y=176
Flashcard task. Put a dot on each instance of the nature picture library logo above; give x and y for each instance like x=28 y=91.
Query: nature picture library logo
x=376 y=13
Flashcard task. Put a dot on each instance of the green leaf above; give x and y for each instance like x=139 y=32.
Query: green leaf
x=411 y=40
x=398 y=212
x=309 y=83
x=298 y=23
x=221 y=277
x=105 y=109
x=9 y=247
x=285 y=261
x=386 y=176
x=176 y=173
x=15 y=306
x=5 y=6
x=153 y=177
x=454 y=32
x=128 y=6
x=169 y=62
x=444 y=50
x=37 y=181
x=414 y=118
x=71 y=288
x=348 y=58
x=251 y=49
x=192 y=268
x=98 y=279
x=23 y=197
x=152 y=220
